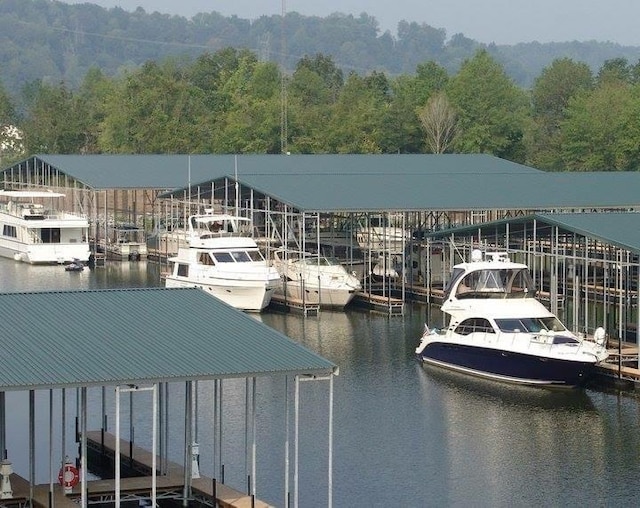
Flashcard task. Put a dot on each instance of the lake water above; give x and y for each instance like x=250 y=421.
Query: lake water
x=406 y=435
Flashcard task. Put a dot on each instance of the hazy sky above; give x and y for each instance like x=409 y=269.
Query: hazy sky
x=499 y=21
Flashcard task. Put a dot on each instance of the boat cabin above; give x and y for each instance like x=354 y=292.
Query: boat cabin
x=497 y=278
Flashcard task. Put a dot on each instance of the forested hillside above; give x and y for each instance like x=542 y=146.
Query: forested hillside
x=57 y=42
x=81 y=79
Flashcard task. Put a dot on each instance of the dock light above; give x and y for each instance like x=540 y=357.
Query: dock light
x=476 y=255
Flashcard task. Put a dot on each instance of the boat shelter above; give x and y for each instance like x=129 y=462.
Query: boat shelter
x=69 y=357
x=586 y=264
x=304 y=200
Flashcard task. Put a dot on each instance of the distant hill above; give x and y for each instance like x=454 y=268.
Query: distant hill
x=56 y=42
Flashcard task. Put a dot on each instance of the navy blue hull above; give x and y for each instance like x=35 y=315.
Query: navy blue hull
x=506 y=366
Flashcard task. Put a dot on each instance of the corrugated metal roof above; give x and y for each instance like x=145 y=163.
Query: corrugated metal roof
x=618 y=229
x=82 y=338
x=138 y=171
x=177 y=171
x=428 y=191
x=329 y=183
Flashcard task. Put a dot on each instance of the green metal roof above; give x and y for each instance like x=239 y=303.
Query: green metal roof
x=327 y=183
x=131 y=336
x=178 y=171
x=450 y=191
x=618 y=229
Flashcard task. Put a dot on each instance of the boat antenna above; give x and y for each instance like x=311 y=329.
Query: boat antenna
x=235 y=173
x=189 y=182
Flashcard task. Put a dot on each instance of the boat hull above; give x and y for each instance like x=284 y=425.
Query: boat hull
x=336 y=298
x=508 y=366
x=246 y=297
x=43 y=254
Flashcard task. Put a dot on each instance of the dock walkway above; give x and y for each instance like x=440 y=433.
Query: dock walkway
x=168 y=486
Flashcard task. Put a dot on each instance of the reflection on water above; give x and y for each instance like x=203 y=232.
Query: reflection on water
x=404 y=434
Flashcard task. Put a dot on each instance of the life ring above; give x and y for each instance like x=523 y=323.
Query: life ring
x=68 y=476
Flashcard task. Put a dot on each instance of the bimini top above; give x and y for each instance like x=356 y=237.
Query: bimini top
x=134 y=336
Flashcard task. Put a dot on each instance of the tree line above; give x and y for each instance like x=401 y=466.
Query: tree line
x=232 y=102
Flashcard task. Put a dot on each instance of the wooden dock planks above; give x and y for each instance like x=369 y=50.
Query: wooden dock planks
x=169 y=485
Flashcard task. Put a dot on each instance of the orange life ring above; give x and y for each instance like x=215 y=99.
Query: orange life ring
x=68 y=476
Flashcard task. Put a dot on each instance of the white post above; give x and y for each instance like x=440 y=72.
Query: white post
x=154 y=445
x=5 y=472
x=117 y=452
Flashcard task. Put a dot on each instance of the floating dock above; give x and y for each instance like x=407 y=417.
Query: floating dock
x=290 y=304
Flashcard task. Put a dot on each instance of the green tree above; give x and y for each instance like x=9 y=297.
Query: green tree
x=155 y=110
x=356 y=124
x=11 y=145
x=615 y=69
x=492 y=111
x=601 y=132
x=311 y=92
x=54 y=121
x=403 y=132
x=252 y=123
x=552 y=90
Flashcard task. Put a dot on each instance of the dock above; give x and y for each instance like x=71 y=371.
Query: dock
x=379 y=303
x=290 y=304
x=101 y=447
x=622 y=365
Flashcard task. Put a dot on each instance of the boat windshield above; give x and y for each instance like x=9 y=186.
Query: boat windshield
x=238 y=256
x=496 y=283
x=532 y=325
x=321 y=261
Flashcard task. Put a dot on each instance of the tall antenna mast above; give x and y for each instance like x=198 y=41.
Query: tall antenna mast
x=283 y=83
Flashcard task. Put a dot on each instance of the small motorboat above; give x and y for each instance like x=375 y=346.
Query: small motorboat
x=75 y=266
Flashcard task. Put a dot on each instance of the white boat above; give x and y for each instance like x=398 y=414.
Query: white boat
x=33 y=231
x=126 y=242
x=224 y=261
x=498 y=329
x=315 y=279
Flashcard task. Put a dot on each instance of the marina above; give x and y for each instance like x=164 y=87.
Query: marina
x=579 y=246
x=586 y=439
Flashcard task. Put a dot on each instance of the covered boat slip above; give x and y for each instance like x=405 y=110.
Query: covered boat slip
x=175 y=363
x=334 y=204
x=585 y=265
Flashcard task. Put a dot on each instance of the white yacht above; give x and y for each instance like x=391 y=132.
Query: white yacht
x=33 y=231
x=224 y=261
x=314 y=278
x=497 y=329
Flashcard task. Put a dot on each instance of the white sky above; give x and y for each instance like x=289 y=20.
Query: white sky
x=499 y=21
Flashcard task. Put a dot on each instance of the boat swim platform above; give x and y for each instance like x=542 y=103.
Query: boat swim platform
x=169 y=486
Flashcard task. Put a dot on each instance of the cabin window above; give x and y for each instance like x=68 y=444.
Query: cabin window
x=50 y=235
x=255 y=255
x=532 y=325
x=223 y=257
x=183 y=270
x=240 y=256
x=474 y=325
x=205 y=259
x=9 y=231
